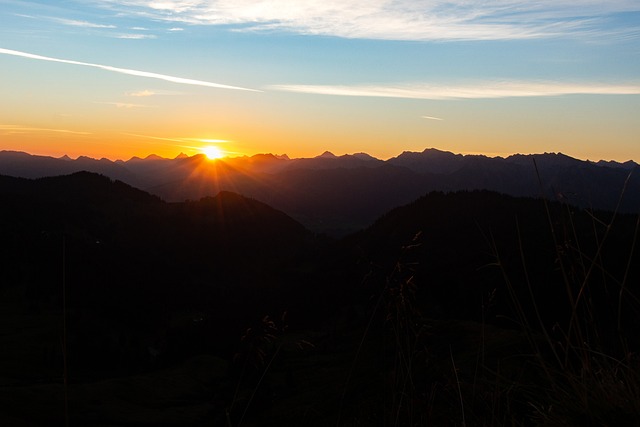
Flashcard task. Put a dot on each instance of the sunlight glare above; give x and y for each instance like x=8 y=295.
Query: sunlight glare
x=212 y=152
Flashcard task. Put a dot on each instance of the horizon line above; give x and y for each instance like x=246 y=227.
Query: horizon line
x=285 y=157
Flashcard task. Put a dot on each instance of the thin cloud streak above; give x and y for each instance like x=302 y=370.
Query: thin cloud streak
x=212 y=141
x=432 y=118
x=83 y=24
x=136 y=36
x=155 y=137
x=138 y=73
x=181 y=140
x=16 y=128
x=142 y=93
x=68 y=22
x=480 y=90
x=125 y=105
x=392 y=20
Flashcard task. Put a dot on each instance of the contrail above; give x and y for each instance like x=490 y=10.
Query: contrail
x=173 y=79
x=431 y=118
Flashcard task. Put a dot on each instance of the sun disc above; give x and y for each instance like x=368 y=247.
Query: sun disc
x=212 y=152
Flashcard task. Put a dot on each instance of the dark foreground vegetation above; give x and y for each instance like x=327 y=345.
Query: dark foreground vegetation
x=468 y=308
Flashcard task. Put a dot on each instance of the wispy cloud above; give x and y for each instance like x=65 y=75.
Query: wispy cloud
x=176 y=29
x=84 y=24
x=138 y=73
x=142 y=93
x=69 y=22
x=479 y=90
x=151 y=92
x=21 y=129
x=158 y=138
x=124 y=105
x=208 y=140
x=181 y=141
x=432 y=118
x=136 y=36
x=392 y=19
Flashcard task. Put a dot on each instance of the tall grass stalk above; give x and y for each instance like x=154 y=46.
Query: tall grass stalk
x=455 y=371
x=65 y=372
x=590 y=382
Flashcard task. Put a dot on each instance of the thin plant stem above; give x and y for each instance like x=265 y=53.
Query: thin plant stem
x=626 y=272
x=255 y=390
x=455 y=371
x=64 y=332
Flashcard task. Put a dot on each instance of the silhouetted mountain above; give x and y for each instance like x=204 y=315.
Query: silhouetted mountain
x=120 y=238
x=545 y=161
x=260 y=163
x=628 y=165
x=205 y=302
x=340 y=194
x=327 y=155
x=328 y=160
x=96 y=200
x=459 y=247
x=430 y=160
x=19 y=164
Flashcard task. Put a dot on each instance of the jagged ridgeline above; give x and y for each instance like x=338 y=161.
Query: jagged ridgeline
x=339 y=195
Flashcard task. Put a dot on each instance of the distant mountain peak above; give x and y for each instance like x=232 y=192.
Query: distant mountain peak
x=628 y=165
x=363 y=156
x=431 y=160
x=16 y=153
x=327 y=155
x=428 y=152
x=266 y=156
x=181 y=156
x=435 y=151
x=65 y=158
x=545 y=159
x=153 y=157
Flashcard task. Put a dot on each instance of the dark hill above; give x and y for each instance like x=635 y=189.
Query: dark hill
x=167 y=304
x=460 y=247
x=132 y=262
x=94 y=206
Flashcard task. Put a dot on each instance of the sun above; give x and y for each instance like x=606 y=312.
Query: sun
x=212 y=152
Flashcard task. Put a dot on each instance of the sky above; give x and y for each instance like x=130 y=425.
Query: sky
x=123 y=78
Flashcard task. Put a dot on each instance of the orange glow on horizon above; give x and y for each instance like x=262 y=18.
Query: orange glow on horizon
x=48 y=139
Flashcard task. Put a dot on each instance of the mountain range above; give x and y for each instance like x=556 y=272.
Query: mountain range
x=198 y=312
x=338 y=195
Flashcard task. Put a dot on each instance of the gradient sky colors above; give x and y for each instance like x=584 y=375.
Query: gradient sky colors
x=118 y=78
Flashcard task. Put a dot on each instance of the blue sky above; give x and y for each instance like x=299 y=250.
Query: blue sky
x=117 y=78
